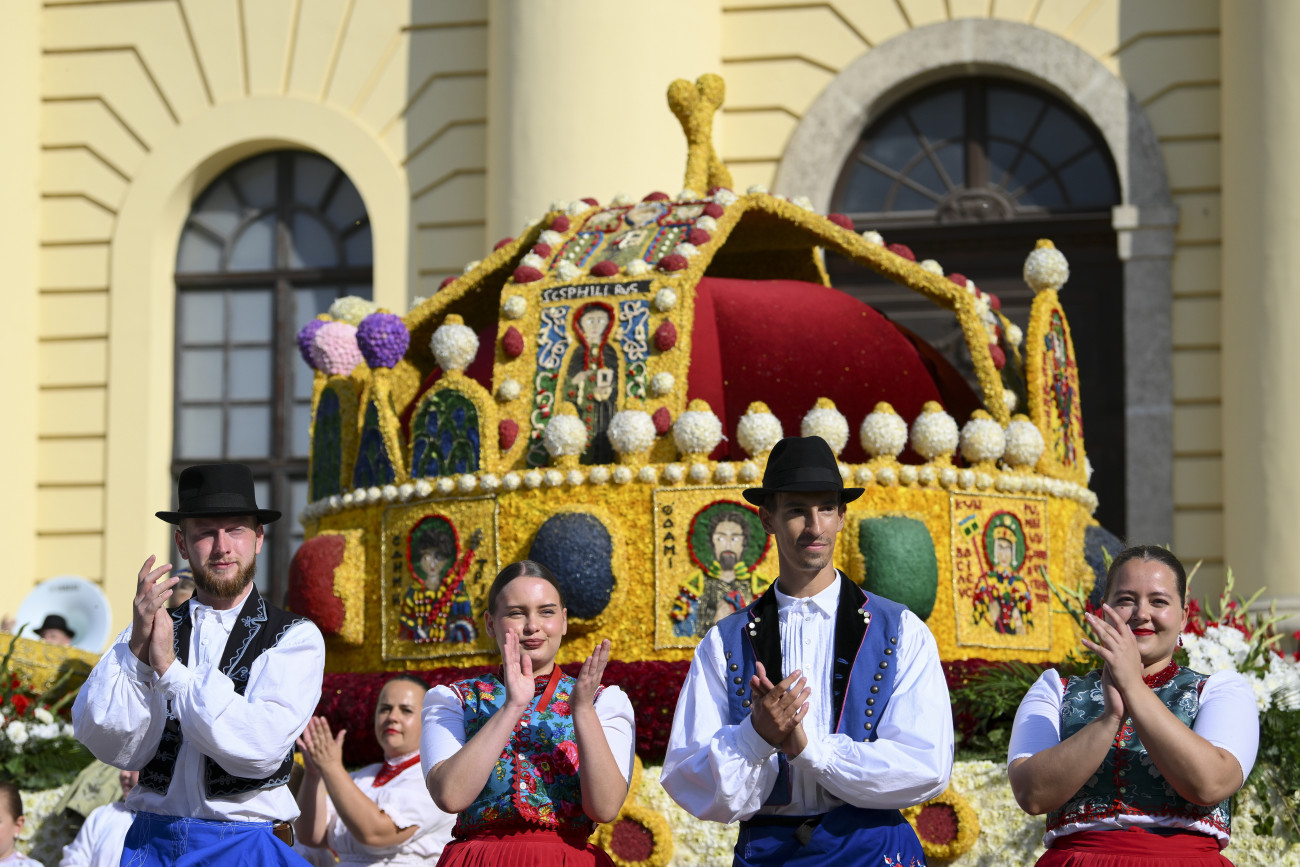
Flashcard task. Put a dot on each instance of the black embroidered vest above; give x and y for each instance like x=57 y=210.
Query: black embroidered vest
x=259 y=628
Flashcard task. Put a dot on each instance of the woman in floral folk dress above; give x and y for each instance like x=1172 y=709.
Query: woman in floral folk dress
x=1135 y=764
x=529 y=758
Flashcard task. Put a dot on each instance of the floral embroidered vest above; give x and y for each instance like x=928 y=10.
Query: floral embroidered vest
x=1128 y=782
x=535 y=782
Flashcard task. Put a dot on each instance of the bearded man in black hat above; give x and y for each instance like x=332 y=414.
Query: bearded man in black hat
x=816 y=713
x=206 y=699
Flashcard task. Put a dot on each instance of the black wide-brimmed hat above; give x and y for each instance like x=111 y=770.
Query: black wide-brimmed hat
x=214 y=491
x=801 y=464
x=55 y=621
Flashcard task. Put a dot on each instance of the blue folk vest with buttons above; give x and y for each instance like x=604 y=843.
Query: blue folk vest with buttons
x=259 y=627
x=863 y=669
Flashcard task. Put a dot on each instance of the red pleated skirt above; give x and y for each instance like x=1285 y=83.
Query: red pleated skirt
x=1133 y=847
x=523 y=849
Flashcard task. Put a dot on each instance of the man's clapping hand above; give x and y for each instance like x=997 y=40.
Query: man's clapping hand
x=778 y=710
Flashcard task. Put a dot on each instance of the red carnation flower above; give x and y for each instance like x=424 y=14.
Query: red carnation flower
x=841 y=220
x=604 y=268
x=499 y=244
x=672 y=262
x=994 y=301
x=447 y=281
x=959 y=279
x=507 y=433
x=698 y=237
x=714 y=210
x=21 y=703
x=590 y=201
x=542 y=250
x=999 y=357
x=512 y=342
x=902 y=250
x=666 y=335
x=663 y=420
x=527 y=274
x=560 y=223
x=656 y=197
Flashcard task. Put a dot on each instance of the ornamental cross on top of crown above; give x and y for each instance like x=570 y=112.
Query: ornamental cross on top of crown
x=695 y=105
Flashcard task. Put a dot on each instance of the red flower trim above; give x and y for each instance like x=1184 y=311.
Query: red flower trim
x=527 y=274
x=958 y=278
x=604 y=268
x=663 y=420
x=666 y=336
x=542 y=250
x=672 y=262
x=656 y=197
x=595 y=203
x=902 y=250
x=999 y=357
x=503 y=242
x=507 y=433
x=447 y=281
x=841 y=220
x=560 y=223
x=698 y=237
x=994 y=301
x=512 y=342
x=714 y=210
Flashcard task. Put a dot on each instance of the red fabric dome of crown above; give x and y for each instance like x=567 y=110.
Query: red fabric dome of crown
x=788 y=343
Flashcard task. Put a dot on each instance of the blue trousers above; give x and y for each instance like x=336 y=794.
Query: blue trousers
x=847 y=836
x=170 y=841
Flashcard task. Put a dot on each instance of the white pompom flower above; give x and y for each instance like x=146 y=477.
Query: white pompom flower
x=697 y=431
x=1010 y=400
x=509 y=389
x=1014 y=334
x=699 y=473
x=531 y=260
x=648 y=475
x=568 y=271
x=510 y=481
x=1024 y=442
x=665 y=300
x=565 y=436
x=725 y=473
x=883 y=432
x=662 y=383
x=638 y=268
x=467 y=483
x=871 y=236
x=982 y=439
x=1046 y=268
x=934 y=432
x=454 y=344
x=756 y=189
x=631 y=431
x=622 y=475
x=932 y=266
x=674 y=473
x=514 y=307
x=707 y=223
x=550 y=238
x=599 y=475
x=748 y=472
x=351 y=309
x=758 y=430
x=827 y=422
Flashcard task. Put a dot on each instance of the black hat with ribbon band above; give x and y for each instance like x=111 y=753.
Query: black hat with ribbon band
x=215 y=491
x=801 y=464
x=55 y=621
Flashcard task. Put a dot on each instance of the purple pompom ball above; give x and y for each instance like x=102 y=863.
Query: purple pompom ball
x=383 y=339
x=305 y=337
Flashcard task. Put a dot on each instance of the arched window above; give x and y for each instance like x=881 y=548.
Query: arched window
x=971 y=172
x=267 y=246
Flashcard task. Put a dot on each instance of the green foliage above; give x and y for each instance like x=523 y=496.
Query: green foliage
x=37 y=749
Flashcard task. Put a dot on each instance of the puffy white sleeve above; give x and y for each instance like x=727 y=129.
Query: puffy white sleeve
x=250 y=735
x=712 y=769
x=442 y=730
x=1037 y=726
x=911 y=758
x=614 y=710
x=1229 y=717
x=119 y=712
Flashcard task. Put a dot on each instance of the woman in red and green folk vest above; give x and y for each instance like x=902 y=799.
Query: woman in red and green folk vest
x=1135 y=764
x=529 y=758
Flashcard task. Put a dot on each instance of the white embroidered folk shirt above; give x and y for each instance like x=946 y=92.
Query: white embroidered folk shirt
x=724 y=772
x=99 y=842
x=120 y=712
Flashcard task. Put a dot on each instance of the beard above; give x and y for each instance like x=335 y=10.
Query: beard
x=728 y=560
x=219 y=588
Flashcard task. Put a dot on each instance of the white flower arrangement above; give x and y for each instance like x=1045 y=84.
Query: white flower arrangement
x=406 y=490
x=1009 y=400
x=466 y=483
x=374 y=494
x=803 y=202
x=533 y=480
x=574 y=478
x=665 y=299
x=418 y=300
x=648 y=475
x=865 y=476
x=686 y=249
x=907 y=474
x=554 y=478
x=620 y=199
x=423 y=487
x=885 y=476
x=568 y=271
x=674 y=473
x=725 y=197
x=510 y=481
x=982 y=439
x=445 y=485
x=725 y=473
x=983 y=481
x=347 y=499
x=559 y=205
x=351 y=309
x=758 y=430
x=934 y=432
x=622 y=475
x=638 y=268
x=454 y=344
x=871 y=236
x=966 y=478
x=707 y=223
x=1014 y=334
x=948 y=477
x=932 y=266
x=1046 y=268
x=827 y=422
x=631 y=431
x=599 y=475
x=687 y=195
x=550 y=238
x=697 y=431
x=748 y=472
x=662 y=383
x=883 y=432
x=509 y=389
x=1024 y=442
x=532 y=260
x=699 y=473
x=926 y=475
x=565 y=435
x=845 y=471
x=756 y=190
x=577 y=206
x=390 y=493
x=471 y=266
x=490 y=482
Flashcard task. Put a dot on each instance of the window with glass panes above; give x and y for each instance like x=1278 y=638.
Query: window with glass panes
x=269 y=244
